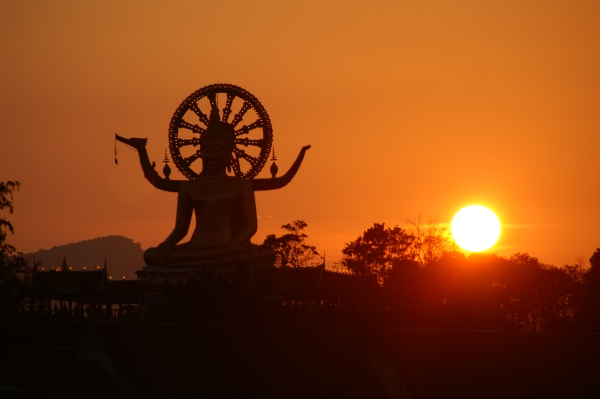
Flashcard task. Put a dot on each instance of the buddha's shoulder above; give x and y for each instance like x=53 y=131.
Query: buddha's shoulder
x=239 y=182
x=230 y=181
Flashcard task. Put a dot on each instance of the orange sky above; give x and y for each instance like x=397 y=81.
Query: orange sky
x=410 y=107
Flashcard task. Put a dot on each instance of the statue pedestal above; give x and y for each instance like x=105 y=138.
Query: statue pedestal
x=202 y=293
x=159 y=278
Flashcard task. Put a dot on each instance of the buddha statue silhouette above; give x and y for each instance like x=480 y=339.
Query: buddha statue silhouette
x=224 y=208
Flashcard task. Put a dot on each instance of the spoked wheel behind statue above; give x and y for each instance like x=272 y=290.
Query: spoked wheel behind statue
x=240 y=110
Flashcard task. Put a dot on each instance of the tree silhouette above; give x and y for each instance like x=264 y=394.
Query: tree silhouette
x=484 y=291
x=13 y=267
x=590 y=314
x=6 y=197
x=425 y=283
x=377 y=251
x=431 y=240
x=290 y=248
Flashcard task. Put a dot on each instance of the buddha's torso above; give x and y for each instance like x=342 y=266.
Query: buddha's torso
x=216 y=203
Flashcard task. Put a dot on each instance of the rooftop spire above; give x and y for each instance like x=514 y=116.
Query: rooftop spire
x=104 y=275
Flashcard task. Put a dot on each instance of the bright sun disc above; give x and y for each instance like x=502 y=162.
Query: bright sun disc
x=475 y=228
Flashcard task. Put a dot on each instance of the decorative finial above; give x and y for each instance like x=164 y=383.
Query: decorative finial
x=116 y=161
x=166 y=168
x=274 y=169
x=273 y=158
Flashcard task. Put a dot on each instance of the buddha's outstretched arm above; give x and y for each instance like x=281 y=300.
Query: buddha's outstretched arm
x=149 y=173
x=173 y=185
x=279 y=182
x=247 y=223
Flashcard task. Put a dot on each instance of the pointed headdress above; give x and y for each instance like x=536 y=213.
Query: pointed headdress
x=217 y=129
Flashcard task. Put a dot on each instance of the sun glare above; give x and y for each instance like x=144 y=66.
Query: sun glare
x=475 y=228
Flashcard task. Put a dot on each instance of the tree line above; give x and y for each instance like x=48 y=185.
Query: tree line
x=426 y=282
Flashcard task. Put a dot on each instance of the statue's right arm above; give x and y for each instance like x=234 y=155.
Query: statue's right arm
x=182 y=219
x=147 y=167
x=275 y=183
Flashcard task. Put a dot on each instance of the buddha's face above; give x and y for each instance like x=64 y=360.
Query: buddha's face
x=214 y=155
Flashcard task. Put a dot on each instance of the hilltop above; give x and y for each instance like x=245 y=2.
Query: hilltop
x=123 y=255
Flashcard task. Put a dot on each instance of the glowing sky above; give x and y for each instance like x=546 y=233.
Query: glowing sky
x=410 y=107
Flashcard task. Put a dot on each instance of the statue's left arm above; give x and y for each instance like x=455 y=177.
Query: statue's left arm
x=246 y=220
x=147 y=167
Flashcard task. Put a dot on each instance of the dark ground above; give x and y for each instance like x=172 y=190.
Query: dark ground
x=80 y=359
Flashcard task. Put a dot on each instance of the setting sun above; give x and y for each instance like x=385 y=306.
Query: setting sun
x=475 y=228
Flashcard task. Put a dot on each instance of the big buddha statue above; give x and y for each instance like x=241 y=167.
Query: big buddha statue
x=223 y=205
x=224 y=208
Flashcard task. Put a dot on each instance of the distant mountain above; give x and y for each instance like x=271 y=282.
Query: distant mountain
x=123 y=256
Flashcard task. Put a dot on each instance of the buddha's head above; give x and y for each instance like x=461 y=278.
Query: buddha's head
x=216 y=145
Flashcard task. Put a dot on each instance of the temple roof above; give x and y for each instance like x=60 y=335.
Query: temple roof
x=68 y=281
